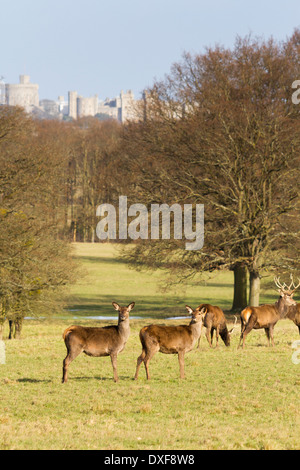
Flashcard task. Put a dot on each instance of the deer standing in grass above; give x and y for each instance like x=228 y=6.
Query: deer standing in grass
x=266 y=316
x=214 y=320
x=98 y=341
x=170 y=340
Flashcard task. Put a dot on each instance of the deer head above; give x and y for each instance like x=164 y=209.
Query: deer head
x=197 y=314
x=286 y=292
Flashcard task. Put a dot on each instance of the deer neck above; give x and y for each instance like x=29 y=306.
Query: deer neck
x=292 y=312
x=281 y=307
x=195 y=329
x=124 y=329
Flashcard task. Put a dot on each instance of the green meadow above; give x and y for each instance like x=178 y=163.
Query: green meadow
x=230 y=399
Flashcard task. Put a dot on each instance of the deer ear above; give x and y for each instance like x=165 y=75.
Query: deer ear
x=189 y=309
x=203 y=310
x=130 y=306
x=116 y=306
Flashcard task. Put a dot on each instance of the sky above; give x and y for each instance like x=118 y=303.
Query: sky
x=105 y=46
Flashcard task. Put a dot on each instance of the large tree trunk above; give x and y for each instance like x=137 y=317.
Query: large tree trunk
x=254 y=289
x=15 y=328
x=240 y=287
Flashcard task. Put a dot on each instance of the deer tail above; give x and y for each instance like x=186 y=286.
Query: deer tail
x=67 y=331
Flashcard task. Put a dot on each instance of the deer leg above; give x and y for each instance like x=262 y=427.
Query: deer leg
x=247 y=330
x=271 y=330
x=72 y=354
x=181 y=363
x=138 y=363
x=113 y=358
x=149 y=354
x=209 y=334
x=200 y=338
x=217 y=336
x=242 y=332
x=267 y=331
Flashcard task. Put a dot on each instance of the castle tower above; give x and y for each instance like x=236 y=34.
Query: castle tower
x=2 y=91
x=72 y=99
x=127 y=106
x=24 y=94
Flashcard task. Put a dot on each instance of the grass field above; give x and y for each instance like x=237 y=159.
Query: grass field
x=230 y=399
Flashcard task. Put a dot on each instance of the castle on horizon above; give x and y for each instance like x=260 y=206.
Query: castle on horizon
x=26 y=95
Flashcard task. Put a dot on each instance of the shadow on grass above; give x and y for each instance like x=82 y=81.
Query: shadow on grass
x=33 y=381
x=101 y=259
x=100 y=379
x=146 y=307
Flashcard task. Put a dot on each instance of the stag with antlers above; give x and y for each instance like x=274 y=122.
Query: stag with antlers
x=266 y=316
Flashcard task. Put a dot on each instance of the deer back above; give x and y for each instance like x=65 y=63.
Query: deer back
x=261 y=316
x=214 y=317
x=169 y=339
x=95 y=341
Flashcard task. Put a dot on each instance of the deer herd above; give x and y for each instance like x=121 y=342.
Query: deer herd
x=179 y=339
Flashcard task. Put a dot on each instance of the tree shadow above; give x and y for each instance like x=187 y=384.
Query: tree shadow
x=145 y=306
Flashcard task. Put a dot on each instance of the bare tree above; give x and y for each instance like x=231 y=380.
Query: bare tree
x=221 y=130
x=34 y=263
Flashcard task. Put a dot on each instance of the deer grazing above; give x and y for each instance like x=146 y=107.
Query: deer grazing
x=98 y=341
x=214 y=320
x=170 y=340
x=266 y=316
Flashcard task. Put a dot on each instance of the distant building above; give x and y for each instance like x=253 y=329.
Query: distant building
x=2 y=91
x=127 y=108
x=24 y=94
x=49 y=107
x=81 y=107
x=120 y=108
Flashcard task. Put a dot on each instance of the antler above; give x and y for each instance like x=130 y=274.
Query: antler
x=287 y=289
x=277 y=283
x=232 y=329
x=293 y=284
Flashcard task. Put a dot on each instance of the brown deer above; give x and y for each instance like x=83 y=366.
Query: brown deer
x=214 y=320
x=294 y=315
x=170 y=340
x=266 y=316
x=98 y=341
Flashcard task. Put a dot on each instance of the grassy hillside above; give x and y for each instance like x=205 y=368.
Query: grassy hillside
x=108 y=279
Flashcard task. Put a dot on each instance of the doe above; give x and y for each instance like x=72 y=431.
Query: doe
x=214 y=320
x=170 y=340
x=98 y=341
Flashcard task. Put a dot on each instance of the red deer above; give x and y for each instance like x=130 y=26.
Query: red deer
x=98 y=341
x=266 y=316
x=170 y=340
x=214 y=320
x=294 y=315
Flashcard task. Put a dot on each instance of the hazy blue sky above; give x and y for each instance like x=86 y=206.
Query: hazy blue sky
x=97 y=46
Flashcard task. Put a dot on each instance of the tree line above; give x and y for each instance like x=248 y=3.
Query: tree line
x=220 y=130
